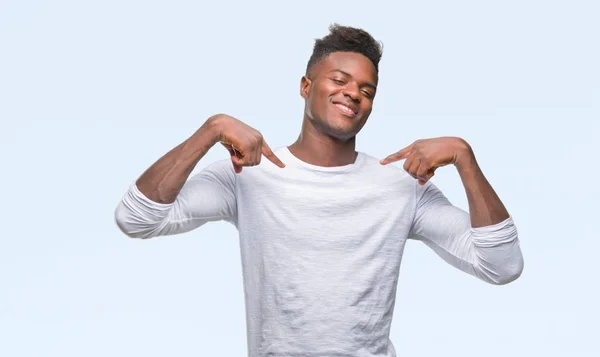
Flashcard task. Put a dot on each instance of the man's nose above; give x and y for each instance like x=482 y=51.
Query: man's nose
x=351 y=90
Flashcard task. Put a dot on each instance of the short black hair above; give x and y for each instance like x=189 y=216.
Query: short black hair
x=346 y=39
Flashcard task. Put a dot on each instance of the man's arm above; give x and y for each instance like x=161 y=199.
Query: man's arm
x=485 y=207
x=163 y=201
x=207 y=196
x=483 y=242
x=162 y=181
x=490 y=252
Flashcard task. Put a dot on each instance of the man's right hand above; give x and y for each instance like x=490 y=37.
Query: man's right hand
x=244 y=143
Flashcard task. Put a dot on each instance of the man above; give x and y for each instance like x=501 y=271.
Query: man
x=322 y=227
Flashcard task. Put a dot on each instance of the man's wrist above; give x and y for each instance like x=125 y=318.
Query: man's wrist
x=464 y=156
x=212 y=128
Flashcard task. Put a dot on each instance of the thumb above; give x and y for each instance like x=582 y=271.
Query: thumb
x=237 y=163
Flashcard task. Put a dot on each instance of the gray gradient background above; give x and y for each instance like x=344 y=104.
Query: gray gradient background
x=93 y=92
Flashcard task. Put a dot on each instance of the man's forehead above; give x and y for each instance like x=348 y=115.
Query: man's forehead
x=349 y=63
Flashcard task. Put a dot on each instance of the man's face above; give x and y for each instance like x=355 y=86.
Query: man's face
x=339 y=92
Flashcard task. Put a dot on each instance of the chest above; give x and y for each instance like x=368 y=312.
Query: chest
x=324 y=213
x=316 y=234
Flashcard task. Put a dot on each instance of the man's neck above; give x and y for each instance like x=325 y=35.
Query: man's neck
x=316 y=148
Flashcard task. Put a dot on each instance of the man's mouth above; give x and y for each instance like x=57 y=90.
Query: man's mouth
x=346 y=110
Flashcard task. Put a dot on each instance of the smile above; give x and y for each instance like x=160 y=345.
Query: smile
x=347 y=111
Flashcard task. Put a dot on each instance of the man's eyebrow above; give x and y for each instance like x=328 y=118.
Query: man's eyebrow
x=368 y=84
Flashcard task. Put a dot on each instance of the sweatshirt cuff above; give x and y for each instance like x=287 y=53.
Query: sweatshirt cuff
x=494 y=227
x=137 y=201
x=496 y=234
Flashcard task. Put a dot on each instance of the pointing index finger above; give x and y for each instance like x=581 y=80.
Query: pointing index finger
x=400 y=155
x=266 y=150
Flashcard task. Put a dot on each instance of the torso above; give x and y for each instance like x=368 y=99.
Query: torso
x=321 y=251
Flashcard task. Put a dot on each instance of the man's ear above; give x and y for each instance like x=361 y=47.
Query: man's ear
x=305 y=84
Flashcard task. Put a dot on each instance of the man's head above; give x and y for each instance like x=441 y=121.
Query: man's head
x=341 y=80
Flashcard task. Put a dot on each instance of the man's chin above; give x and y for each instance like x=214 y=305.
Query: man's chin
x=341 y=129
x=342 y=134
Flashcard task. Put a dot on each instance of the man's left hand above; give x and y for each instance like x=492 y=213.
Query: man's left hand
x=424 y=156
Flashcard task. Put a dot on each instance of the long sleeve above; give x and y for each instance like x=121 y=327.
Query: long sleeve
x=205 y=197
x=491 y=253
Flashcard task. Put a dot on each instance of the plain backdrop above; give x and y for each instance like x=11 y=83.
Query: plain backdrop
x=93 y=92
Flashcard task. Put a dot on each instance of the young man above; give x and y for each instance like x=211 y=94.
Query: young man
x=322 y=227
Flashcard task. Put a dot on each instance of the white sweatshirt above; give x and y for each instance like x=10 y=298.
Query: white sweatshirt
x=321 y=246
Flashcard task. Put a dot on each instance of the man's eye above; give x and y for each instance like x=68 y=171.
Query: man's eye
x=367 y=94
x=337 y=81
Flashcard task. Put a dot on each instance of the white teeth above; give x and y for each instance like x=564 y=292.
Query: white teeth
x=345 y=109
